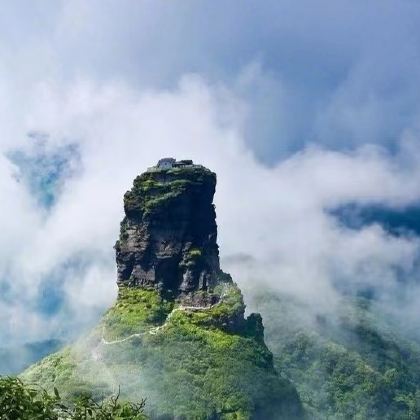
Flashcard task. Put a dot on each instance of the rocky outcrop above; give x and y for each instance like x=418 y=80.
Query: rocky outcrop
x=168 y=238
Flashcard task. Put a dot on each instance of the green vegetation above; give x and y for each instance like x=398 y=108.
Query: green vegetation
x=355 y=365
x=71 y=371
x=135 y=310
x=201 y=363
x=195 y=253
x=223 y=315
x=192 y=363
x=156 y=190
x=24 y=402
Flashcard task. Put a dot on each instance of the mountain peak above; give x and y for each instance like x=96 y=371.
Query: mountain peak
x=168 y=237
x=177 y=334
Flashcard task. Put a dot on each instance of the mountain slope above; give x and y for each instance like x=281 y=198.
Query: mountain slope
x=177 y=334
x=353 y=364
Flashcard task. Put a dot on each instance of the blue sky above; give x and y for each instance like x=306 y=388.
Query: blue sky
x=302 y=108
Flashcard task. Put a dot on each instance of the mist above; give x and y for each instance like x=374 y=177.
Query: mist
x=83 y=113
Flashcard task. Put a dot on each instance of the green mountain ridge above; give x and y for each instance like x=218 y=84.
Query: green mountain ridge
x=356 y=364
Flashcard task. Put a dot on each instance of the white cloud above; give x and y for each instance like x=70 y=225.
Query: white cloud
x=276 y=215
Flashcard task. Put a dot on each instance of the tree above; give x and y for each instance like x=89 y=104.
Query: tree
x=27 y=402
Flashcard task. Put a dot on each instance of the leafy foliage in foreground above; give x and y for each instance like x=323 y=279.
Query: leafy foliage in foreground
x=25 y=402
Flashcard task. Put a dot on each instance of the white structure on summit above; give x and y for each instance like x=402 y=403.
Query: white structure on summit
x=170 y=163
x=166 y=163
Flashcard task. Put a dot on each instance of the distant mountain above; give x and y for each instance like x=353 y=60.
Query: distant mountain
x=177 y=333
x=14 y=359
x=355 y=364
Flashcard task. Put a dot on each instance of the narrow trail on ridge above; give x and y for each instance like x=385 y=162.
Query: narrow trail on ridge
x=96 y=353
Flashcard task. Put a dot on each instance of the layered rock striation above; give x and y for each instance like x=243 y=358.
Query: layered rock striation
x=168 y=238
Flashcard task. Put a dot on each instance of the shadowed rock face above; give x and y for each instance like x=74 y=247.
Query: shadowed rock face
x=168 y=238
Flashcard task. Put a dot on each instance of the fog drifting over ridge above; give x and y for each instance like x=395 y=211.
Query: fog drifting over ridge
x=287 y=148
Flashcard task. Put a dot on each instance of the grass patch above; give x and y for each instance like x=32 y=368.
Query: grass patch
x=136 y=310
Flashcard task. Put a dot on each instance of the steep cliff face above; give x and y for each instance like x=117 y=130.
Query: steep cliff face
x=168 y=236
x=177 y=333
